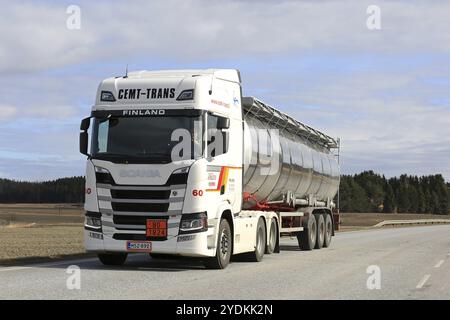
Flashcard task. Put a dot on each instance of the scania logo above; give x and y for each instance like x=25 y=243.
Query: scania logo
x=142 y=173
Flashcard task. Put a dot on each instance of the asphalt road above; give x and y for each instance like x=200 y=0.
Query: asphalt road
x=414 y=263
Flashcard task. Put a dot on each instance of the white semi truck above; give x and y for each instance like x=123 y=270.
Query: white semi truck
x=180 y=163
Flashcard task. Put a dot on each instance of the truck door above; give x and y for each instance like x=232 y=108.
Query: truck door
x=224 y=155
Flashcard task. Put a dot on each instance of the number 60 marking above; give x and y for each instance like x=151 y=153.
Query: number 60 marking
x=197 y=193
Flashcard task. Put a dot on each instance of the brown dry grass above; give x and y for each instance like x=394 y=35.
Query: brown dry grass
x=365 y=220
x=40 y=241
x=41 y=213
x=40 y=230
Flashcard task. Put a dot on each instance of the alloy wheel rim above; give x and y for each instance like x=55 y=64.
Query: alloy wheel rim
x=313 y=234
x=224 y=244
x=260 y=240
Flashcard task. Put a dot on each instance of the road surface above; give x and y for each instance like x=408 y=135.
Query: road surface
x=412 y=263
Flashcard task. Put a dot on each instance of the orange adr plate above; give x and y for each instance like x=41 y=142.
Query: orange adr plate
x=156 y=228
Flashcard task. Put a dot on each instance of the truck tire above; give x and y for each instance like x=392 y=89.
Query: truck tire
x=320 y=231
x=260 y=246
x=307 y=238
x=273 y=237
x=223 y=248
x=112 y=259
x=328 y=231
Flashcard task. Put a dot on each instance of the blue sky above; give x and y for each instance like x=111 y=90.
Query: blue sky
x=385 y=92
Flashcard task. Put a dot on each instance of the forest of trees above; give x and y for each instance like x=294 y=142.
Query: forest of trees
x=363 y=192
x=65 y=190
x=371 y=192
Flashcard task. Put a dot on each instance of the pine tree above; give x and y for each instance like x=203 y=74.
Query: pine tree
x=389 y=200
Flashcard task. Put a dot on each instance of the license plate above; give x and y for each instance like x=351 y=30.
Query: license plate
x=156 y=228
x=139 y=246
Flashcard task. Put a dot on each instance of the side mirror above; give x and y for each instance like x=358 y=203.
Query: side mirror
x=84 y=143
x=85 y=123
x=84 y=137
x=223 y=123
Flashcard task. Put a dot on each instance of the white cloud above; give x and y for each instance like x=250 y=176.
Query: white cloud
x=51 y=111
x=7 y=112
x=193 y=30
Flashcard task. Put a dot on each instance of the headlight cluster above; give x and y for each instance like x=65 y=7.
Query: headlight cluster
x=93 y=220
x=101 y=170
x=193 y=222
x=181 y=170
x=102 y=175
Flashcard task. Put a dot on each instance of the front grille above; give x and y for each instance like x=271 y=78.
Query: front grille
x=137 y=220
x=132 y=205
x=180 y=178
x=174 y=179
x=140 y=207
x=129 y=236
x=140 y=194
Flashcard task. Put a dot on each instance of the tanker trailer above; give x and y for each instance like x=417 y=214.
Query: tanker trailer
x=288 y=167
x=305 y=167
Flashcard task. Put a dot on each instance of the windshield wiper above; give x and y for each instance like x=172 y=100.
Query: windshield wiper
x=109 y=154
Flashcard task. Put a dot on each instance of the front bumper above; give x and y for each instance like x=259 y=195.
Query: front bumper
x=200 y=244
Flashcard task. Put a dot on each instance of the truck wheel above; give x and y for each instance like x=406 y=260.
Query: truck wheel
x=112 y=259
x=328 y=231
x=272 y=237
x=307 y=238
x=223 y=251
x=260 y=246
x=320 y=231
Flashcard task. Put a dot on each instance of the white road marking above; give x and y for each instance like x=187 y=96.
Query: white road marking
x=423 y=281
x=439 y=264
x=40 y=265
x=14 y=269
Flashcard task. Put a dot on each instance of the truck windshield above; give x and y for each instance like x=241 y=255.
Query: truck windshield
x=147 y=139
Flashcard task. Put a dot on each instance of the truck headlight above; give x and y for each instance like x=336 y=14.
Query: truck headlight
x=181 y=170
x=193 y=222
x=102 y=175
x=101 y=170
x=93 y=220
